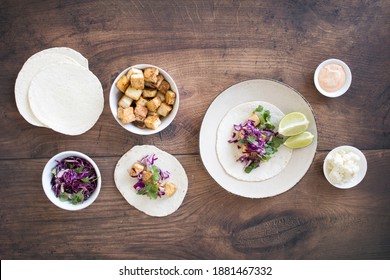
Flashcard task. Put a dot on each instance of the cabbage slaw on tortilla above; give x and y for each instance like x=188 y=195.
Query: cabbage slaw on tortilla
x=229 y=154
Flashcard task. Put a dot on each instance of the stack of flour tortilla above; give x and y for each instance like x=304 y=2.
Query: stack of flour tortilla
x=55 y=89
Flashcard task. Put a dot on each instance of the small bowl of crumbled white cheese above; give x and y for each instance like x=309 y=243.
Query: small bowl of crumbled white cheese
x=345 y=167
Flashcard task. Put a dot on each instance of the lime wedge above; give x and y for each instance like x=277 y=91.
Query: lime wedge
x=293 y=124
x=299 y=141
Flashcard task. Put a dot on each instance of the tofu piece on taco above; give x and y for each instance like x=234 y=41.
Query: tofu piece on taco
x=136 y=169
x=170 y=189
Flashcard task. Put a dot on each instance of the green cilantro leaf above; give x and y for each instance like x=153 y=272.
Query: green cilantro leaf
x=276 y=142
x=86 y=180
x=251 y=139
x=78 y=170
x=156 y=173
x=77 y=198
x=259 y=109
x=267 y=115
x=269 y=126
x=273 y=145
x=63 y=196
x=150 y=190
x=152 y=195
x=251 y=166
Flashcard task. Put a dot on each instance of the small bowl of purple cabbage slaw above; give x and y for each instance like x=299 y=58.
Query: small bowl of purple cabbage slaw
x=71 y=180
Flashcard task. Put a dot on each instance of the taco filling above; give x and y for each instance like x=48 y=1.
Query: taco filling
x=256 y=138
x=152 y=181
x=248 y=146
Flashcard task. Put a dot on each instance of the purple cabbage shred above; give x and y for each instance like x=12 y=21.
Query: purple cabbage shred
x=74 y=175
x=254 y=140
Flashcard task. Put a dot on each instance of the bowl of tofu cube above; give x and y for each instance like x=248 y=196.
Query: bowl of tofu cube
x=144 y=99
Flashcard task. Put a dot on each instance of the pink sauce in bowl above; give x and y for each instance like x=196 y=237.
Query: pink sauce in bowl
x=332 y=78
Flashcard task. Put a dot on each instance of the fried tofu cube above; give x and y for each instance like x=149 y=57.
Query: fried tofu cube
x=136 y=169
x=255 y=118
x=151 y=74
x=149 y=93
x=149 y=85
x=150 y=113
x=153 y=104
x=137 y=81
x=126 y=115
x=152 y=122
x=141 y=101
x=132 y=71
x=164 y=109
x=170 y=189
x=133 y=93
x=122 y=83
x=160 y=78
x=170 y=97
x=147 y=176
x=140 y=112
x=240 y=134
x=164 y=86
x=139 y=123
x=161 y=95
x=125 y=101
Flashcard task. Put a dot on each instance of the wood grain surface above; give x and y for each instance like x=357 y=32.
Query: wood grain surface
x=206 y=46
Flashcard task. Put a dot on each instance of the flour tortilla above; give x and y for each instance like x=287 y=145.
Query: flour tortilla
x=67 y=98
x=30 y=68
x=75 y=55
x=159 y=207
x=228 y=153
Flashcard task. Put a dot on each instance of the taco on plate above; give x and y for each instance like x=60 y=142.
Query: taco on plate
x=248 y=146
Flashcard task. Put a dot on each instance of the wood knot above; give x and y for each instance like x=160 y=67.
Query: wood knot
x=270 y=233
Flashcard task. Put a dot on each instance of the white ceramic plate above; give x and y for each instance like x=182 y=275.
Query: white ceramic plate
x=287 y=100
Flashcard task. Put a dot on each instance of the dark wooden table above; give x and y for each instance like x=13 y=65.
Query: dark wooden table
x=206 y=46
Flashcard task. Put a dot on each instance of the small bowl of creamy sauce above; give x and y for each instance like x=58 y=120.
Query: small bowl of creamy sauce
x=345 y=167
x=332 y=77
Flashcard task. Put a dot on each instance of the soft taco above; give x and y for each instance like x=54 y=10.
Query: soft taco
x=151 y=180
x=248 y=145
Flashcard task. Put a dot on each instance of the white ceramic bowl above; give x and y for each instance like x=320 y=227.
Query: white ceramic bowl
x=115 y=95
x=345 y=87
x=47 y=175
x=357 y=178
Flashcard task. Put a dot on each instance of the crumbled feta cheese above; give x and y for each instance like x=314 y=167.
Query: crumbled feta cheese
x=342 y=166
